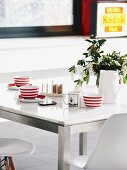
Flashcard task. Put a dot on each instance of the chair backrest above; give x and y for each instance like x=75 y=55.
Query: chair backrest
x=111 y=149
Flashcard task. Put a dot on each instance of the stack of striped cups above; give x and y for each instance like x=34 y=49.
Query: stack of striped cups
x=29 y=92
x=21 y=80
x=93 y=100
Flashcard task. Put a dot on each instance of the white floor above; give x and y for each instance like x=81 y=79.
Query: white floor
x=45 y=156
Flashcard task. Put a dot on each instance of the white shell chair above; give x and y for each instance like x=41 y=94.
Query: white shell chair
x=110 y=152
x=13 y=147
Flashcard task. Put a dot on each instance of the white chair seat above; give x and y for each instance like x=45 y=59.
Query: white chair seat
x=110 y=152
x=15 y=147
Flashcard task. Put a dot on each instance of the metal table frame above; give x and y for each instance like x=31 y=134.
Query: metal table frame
x=64 y=133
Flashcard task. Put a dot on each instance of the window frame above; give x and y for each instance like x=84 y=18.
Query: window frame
x=45 y=31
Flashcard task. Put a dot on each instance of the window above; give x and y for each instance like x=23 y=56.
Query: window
x=29 y=18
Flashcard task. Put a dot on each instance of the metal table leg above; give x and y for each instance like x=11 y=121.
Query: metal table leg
x=63 y=148
x=83 y=143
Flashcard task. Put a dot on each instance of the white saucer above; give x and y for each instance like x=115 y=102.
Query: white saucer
x=36 y=100
x=12 y=86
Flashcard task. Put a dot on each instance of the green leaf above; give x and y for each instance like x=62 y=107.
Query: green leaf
x=91 y=41
x=78 y=82
x=86 y=55
x=81 y=62
x=72 y=69
x=125 y=79
x=101 y=42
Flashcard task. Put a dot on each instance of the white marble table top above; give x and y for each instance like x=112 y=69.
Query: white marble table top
x=60 y=113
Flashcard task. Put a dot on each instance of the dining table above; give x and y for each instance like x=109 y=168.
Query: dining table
x=59 y=118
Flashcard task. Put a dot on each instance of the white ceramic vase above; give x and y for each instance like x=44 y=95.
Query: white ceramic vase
x=109 y=85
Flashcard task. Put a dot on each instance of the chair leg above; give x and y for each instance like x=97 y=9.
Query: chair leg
x=6 y=163
x=11 y=163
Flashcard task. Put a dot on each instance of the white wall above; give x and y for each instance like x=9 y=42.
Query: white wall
x=39 y=55
x=33 y=54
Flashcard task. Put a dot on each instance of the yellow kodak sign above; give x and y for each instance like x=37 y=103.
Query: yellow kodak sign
x=113 y=19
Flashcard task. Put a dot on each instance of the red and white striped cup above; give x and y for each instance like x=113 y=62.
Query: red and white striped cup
x=93 y=100
x=29 y=92
x=21 y=80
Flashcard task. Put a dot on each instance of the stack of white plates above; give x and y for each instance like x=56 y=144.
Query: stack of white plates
x=29 y=92
x=93 y=101
x=21 y=80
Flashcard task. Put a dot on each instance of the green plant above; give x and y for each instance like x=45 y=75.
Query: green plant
x=95 y=60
